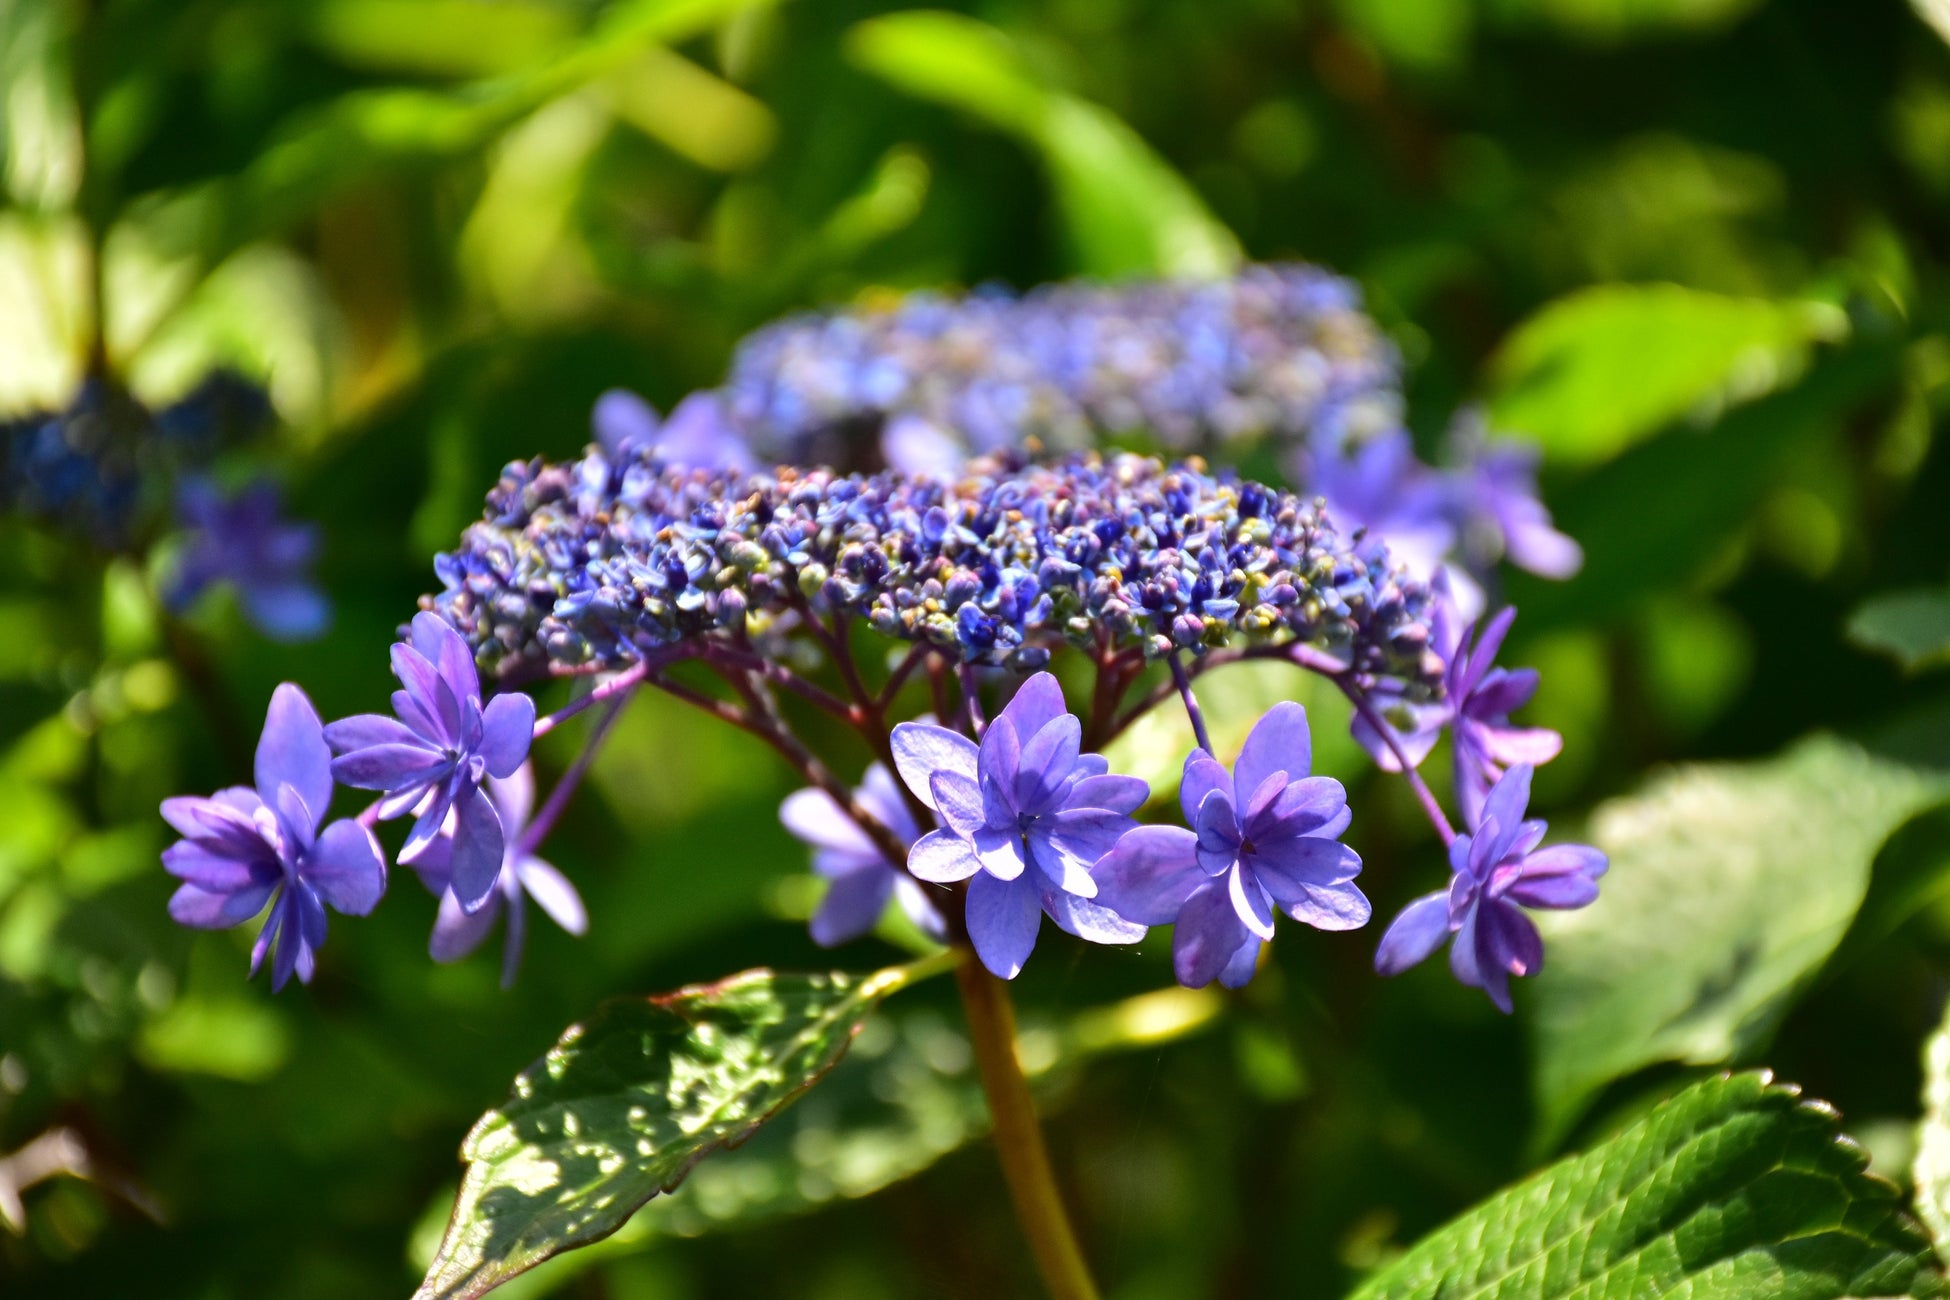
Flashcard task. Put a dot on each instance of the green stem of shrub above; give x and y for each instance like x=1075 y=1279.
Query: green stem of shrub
x=1018 y=1138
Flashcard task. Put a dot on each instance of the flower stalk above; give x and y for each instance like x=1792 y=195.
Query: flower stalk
x=1018 y=1137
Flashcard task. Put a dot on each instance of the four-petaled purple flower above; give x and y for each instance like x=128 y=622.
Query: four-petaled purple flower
x=1025 y=817
x=432 y=758
x=862 y=879
x=244 y=540
x=1481 y=698
x=243 y=848
x=1264 y=835
x=1498 y=870
x=1478 y=698
x=457 y=932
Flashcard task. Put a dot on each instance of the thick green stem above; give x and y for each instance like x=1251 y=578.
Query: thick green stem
x=1018 y=1139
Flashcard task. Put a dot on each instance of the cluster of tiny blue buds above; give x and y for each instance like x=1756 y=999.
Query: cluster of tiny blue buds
x=597 y=563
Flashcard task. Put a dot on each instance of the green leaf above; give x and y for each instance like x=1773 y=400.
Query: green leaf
x=1932 y=1167
x=624 y=1104
x=1911 y=627
x=1735 y=1188
x=1603 y=368
x=1730 y=885
x=1664 y=510
x=1125 y=209
x=905 y=1096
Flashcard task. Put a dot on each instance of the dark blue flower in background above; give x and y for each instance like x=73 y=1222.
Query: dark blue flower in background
x=861 y=878
x=244 y=540
x=432 y=758
x=524 y=876
x=1499 y=870
x=243 y=847
x=1263 y=836
x=1025 y=817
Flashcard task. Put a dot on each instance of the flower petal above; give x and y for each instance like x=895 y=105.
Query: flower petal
x=391 y=767
x=1089 y=920
x=1000 y=850
x=815 y=817
x=436 y=704
x=1313 y=805
x=959 y=801
x=366 y=730
x=1250 y=901
x=457 y=933
x=1044 y=767
x=942 y=857
x=1288 y=868
x=1532 y=745
x=204 y=909
x=1239 y=971
x=217 y=873
x=1331 y=907
x=1003 y=917
x=1061 y=866
x=1123 y=794
x=449 y=653
x=478 y=848
x=921 y=749
x=1150 y=873
x=852 y=906
x=346 y=868
x=1561 y=876
x=1416 y=932
x=292 y=751
x=1507 y=939
x=1208 y=936
x=552 y=891
x=1085 y=835
x=1278 y=742
x=1506 y=803
x=1203 y=775
x=1502 y=692
x=1037 y=703
x=507 y=730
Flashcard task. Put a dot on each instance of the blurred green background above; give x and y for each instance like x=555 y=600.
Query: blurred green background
x=1695 y=248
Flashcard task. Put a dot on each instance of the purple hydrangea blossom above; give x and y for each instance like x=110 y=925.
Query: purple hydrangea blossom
x=1025 y=816
x=1500 y=514
x=1478 y=698
x=1381 y=486
x=457 y=932
x=432 y=757
x=245 y=541
x=697 y=433
x=1482 y=697
x=1262 y=836
x=1499 y=870
x=861 y=878
x=244 y=847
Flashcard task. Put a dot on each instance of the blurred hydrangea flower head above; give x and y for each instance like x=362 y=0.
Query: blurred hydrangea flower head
x=1498 y=871
x=860 y=878
x=1025 y=816
x=524 y=876
x=1263 y=836
x=1197 y=364
x=245 y=541
x=243 y=848
x=432 y=757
